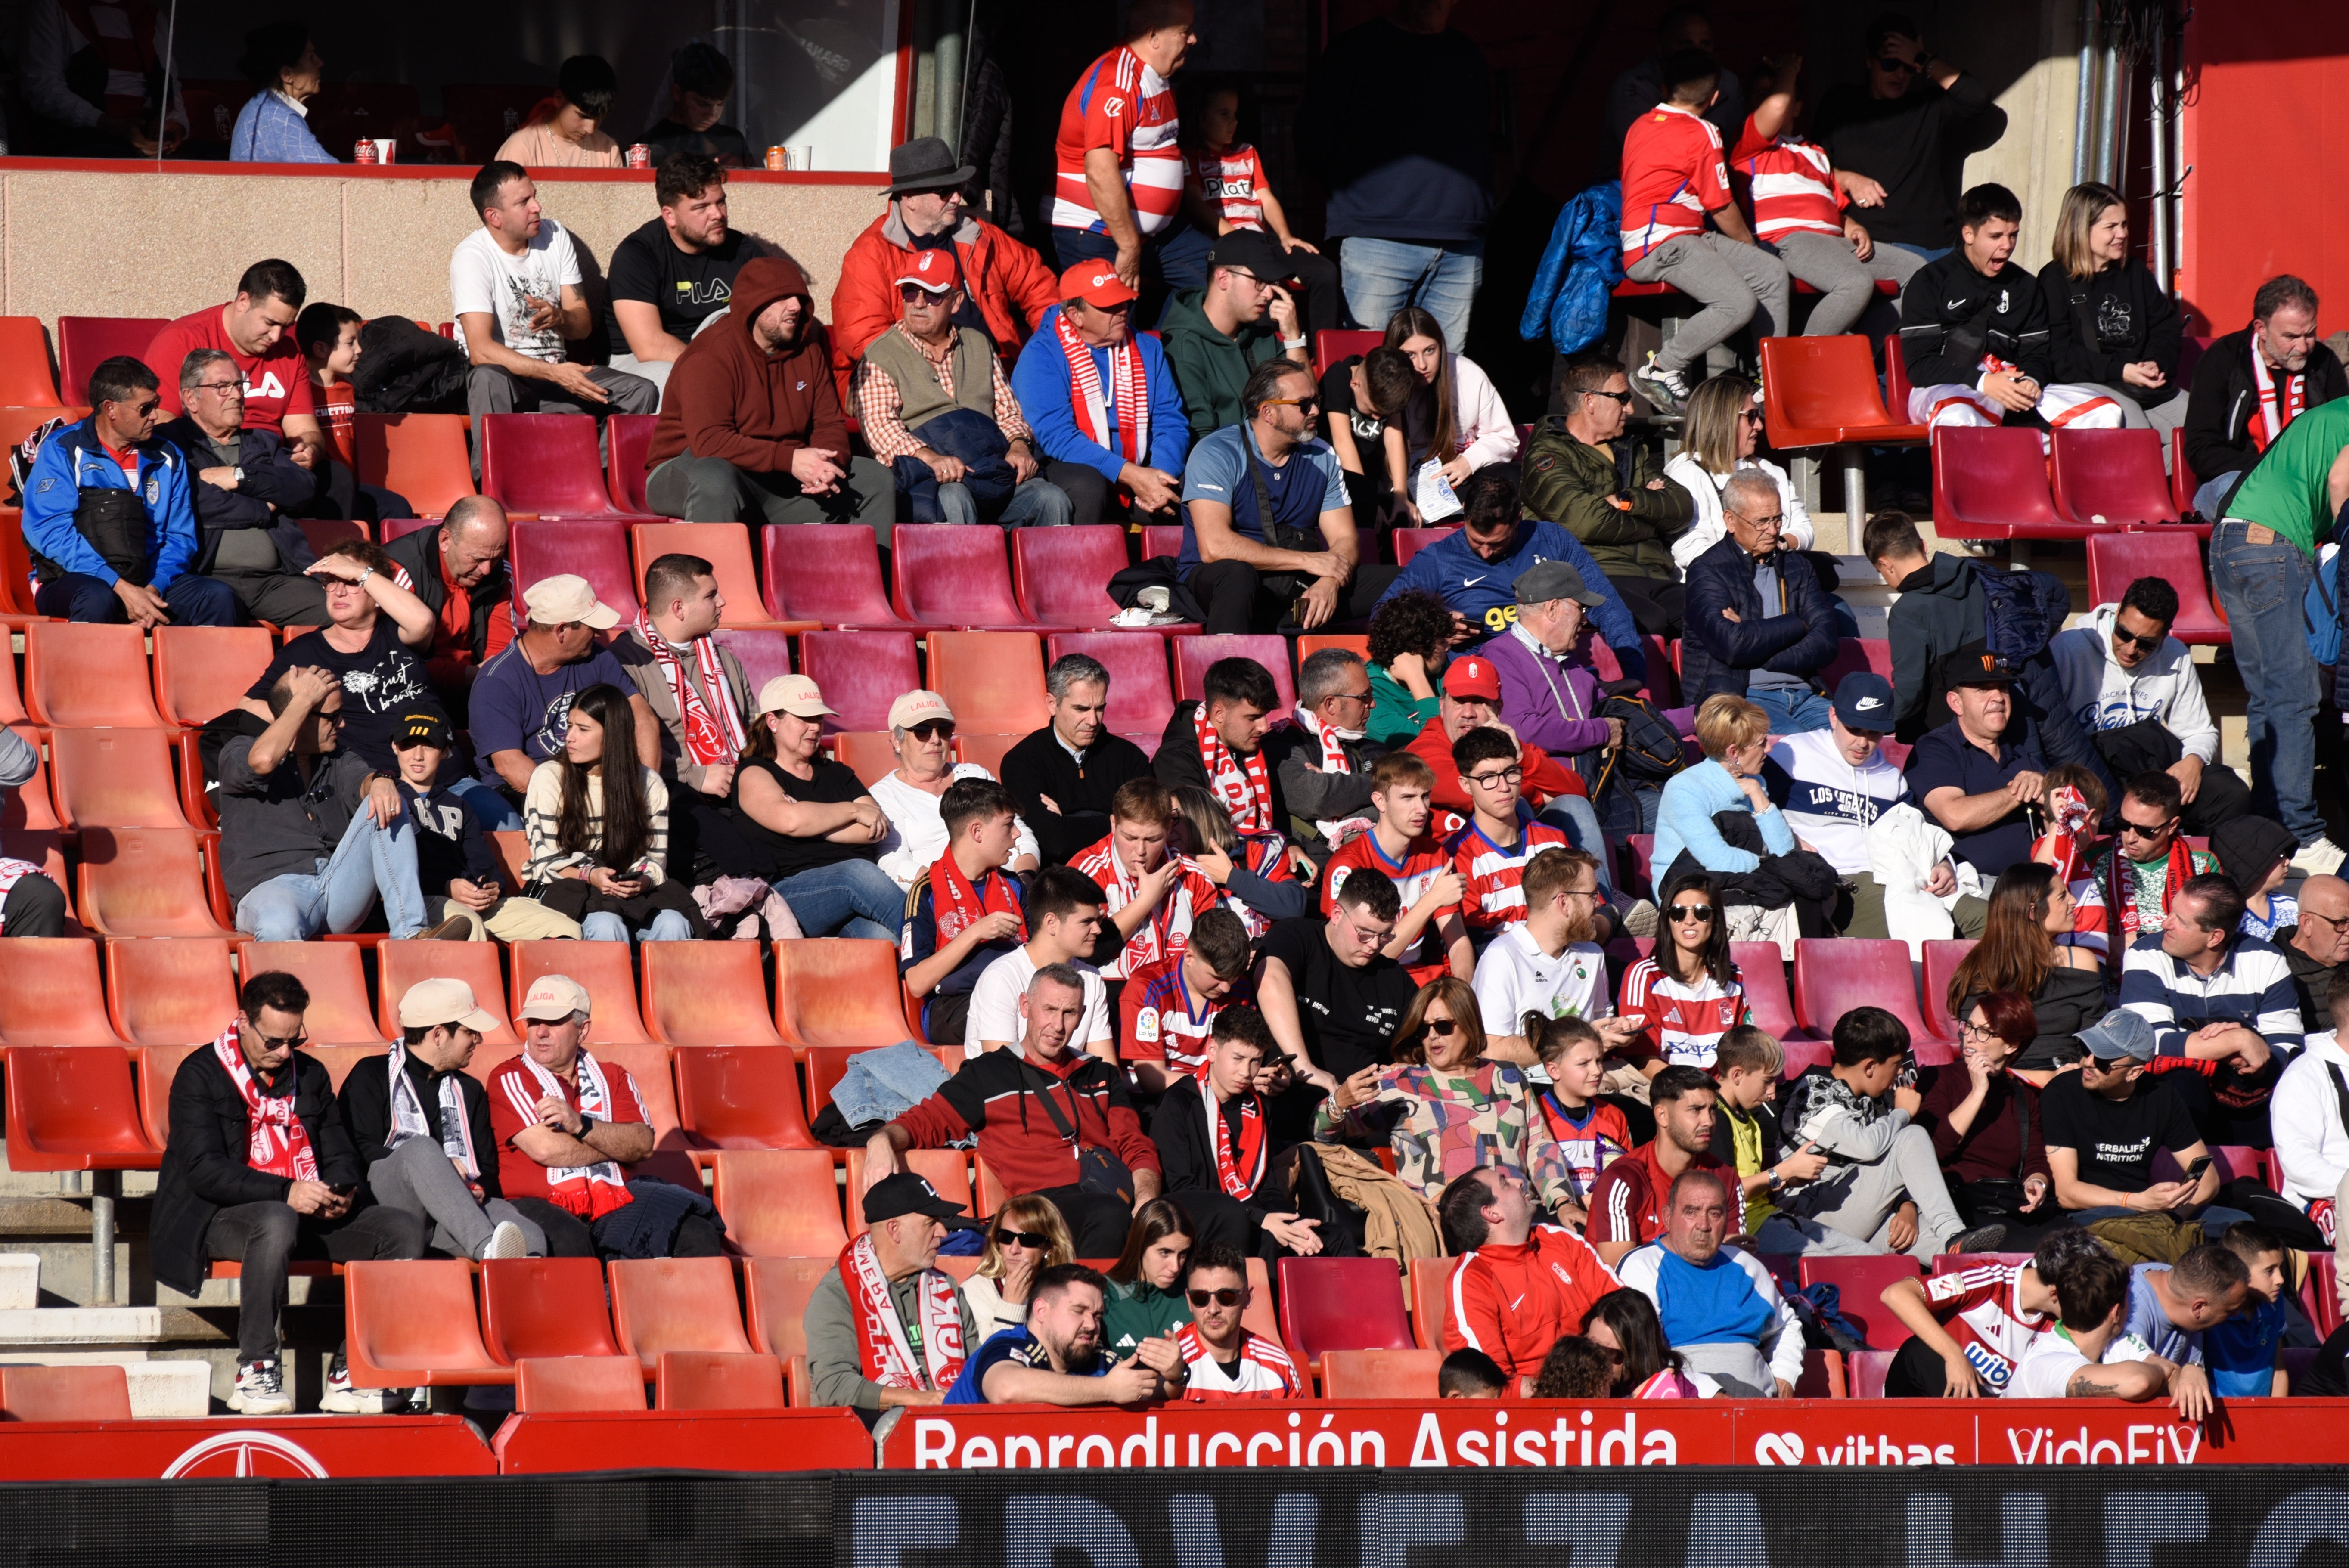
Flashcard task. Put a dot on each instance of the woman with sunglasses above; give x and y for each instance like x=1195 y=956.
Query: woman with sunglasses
x=1623 y=1323
x=1721 y=432
x=2030 y=910
x=921 y=732
x=1688 y=993
x=1444 y=1109
x=1026 y=1237
x=1987 y=1131
x=1146 y=1283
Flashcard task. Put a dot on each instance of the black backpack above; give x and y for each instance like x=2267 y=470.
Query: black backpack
x=2022 y=610
x=1652 y=749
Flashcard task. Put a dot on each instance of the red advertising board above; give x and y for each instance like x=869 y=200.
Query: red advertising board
x=282 y=1448
x=1415 y=1434
x=683 y=1439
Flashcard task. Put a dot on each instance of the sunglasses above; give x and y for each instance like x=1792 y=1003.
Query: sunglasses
x=289 y=1043
x=1034 y=1241
x=932 y=729
x=915 y=293
x=2142 y=832
x=1302 y=404
x=1440 y=1027
x=2150 y=639
x=1691 y=912
x=1225 y=1297
x=1622 y=398
x=1893 y=64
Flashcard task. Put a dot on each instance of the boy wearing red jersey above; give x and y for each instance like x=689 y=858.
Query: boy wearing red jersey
x=1430 y=937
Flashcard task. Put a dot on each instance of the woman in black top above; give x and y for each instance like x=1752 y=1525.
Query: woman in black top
x=370 y=644
x=2110 y=325
x=2030 y=909
x=806 y=824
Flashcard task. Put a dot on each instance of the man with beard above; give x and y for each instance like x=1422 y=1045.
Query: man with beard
x=1057 y=1360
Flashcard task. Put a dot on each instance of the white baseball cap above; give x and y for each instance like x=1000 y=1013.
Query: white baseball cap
x=796 y=695
x=429 y=1002
x=918 y=707
x=559 y=600
x=554 y=998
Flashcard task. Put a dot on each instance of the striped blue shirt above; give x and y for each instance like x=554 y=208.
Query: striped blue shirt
x=2251 y=986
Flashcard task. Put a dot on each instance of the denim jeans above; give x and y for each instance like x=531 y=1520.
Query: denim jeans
x=847 y=898
x=2211 y=492
x=1175 y=256
x=1572 y=815
x=605 y=926
x=1792 y=709
x=497 y=814
x=370 y=863
x=1381 y=276
x=1036 y=503
x=2260 y=586
x=194 y=601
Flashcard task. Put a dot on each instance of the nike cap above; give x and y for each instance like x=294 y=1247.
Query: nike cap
x=1864 y=701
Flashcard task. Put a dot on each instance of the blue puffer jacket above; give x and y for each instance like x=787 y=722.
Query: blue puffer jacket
x=1578 y=271
x=1795 y=637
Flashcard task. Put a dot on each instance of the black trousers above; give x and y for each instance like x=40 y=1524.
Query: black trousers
x=35 y=906
x=1237 y=600
x=1916 y=1373
x=2146 y=746
x=1097 y=1221
x=1997 y=1204
x=267 y=1236
x=1656 y=606
x=569 y=1236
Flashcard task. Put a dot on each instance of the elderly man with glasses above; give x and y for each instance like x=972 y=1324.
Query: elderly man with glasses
x=1759 y=624
x=2317 y=949
x=1102 y=401
x=247 y=490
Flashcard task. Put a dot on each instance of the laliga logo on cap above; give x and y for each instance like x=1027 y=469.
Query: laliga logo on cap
x=1100 y=278
x=245 y=1453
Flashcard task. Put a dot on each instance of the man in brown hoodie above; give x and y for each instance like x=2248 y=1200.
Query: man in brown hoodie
x=750 y=426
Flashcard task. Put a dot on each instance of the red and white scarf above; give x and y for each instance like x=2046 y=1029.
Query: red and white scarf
x=958 y=906
x=408 y=1120
x=1133 y=405
x=1243 y=788
x=1238 y=1171
x=590 y=1191
x=2120 y=889
x=2278 y=406
x=881 y=1352
x=711 y=739
x=276 y=1141
x=1334 y=831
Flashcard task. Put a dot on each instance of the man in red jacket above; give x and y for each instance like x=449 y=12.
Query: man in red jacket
x=750 y=426
x=1519 y=1286
x=1007 y=285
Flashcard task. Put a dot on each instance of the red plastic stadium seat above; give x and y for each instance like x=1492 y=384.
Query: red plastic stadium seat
x=994 y=681
x=80 y=676
x=764 y=655
x=1942 y=961
x=596 y=551
x=1835 y=974
x=1764 y=973
x=86 y=341
x=2114 y=476
x=707 y=993
x=1865 y=1371
x=423 y=457
x=401 y=527
x=740 y=1097
x=543 y=1384
x=74 y=1110
x=838 y=991
x=2321 y=1297
x=1061 y=574
x=410 y=1325
x=989 y=750
x=546 y=464
x=779 y=1202
x=168 y=992
x=145 y=882
x=1410 y=541
x=1822 y=1377
x=114 y=778
x=1380 y=1374
x=1822 y=392
x=727 y=547
x=1193 y=655
x=610 y=980
x=201 y=672
x=157 y=1067
x=1332 y=343
x=1431 y=1288
x=340 y=1014
x=1856 y=653
x=1992 y=484
x=1341 y=1304
x=325 y=533
x=718 y=1380
x=1860 y=1284
x=2117 y=560
x=1141 y=695
x=1355 y=643
x=659 y=1304
x=626 y=438
x=25 y=378
x=775 y=1292
x=860 y=673
x=545 y=1306
x=828 y=573
x=2183 y=482
x=1160 y=539
x=341 y=1061
x=957 y=577
x=827 y=1065
x=50 y=995
x=947 y=1169
x=400 y=964
x=82 y=1395
x=865 y=753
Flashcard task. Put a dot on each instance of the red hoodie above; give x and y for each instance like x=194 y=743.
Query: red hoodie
x=1514 y=1303
x=729 y=398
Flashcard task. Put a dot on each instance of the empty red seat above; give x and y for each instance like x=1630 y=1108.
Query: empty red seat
x=741 y=1096
x=718 y=1380
x=144 y=881
x=400 y=964
x=601 y=967
x=942 y=576
x=1380 y=1374
x=1160 y=539
x=1410 y=541
x=1860 y=1284
x=596 y=551
x=779 y=1202
x=412 y=1324
x=1332 y=343
x=2183 y=482
x=1822 y=391
x=31 y=807
x=2117 y=560
x=545 y=1306
x=1193 y=655
x=114 y=778
x=727 y=547
x=764 y=654
x=75 y=1109
x=838 y=991
x=1992 y=484
x=1429 y=1288
x=828 y=573
x=993 y=681
x=544 y=1385
x=1061 y=574
x=423 y=457
x=1835 y=974
x=87 y=342
x=201 y=672
x=1341 y=1304
x=860 y=673
x=545 y=464
x=1141 y=695
x=170 y=993
x=707 y=993
x=2112 y=476
x=775 y=1296
x=1763 y=972
x=81 y=1395
x=80 y=677
x=947 y=1169
x=340 y=1014
x=626 y=438
x=158 y=1064
x=1942 y=961
x=660 y=1305
x=865 y=753
x=1854 y=654
x=50 y=994
x=25 y=378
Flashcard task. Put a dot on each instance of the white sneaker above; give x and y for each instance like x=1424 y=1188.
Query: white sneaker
x=1643 y=918
x=505 y=1242
x=2322 y=858
x=260 y=1390
x=342 y=1399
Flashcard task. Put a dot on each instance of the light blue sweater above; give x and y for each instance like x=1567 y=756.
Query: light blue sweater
x=1684 y=821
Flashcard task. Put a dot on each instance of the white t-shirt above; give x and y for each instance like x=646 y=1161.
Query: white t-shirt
x=2046 y=1368
x=995 y=1003
x=918 y=834
x=484 y=279
x=1515 y=977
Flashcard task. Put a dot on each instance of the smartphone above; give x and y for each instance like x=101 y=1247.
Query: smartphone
x=2194 y=1171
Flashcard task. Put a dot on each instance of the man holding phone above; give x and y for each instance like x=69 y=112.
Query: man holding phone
x=258 y=1170
x=2105 y=1122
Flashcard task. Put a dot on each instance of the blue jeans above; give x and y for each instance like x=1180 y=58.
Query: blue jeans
x=194 y=601
x=846 y=898
x=1383 y=276
x=2213 y=491
x=1175 y=256
x=2260 y=586
x=1036 y=503
x=370 y=862
x=497 y=814
x=1792 y=709
x=605 y=926
x=1572 y=815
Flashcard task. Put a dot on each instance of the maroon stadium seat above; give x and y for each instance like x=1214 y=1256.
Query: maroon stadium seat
x=659 y=1304
x=1341 y=1304
x=740 y=1097
x=413 y=1324
x=2321 y=1297
x=1160 y=539
x=957 y=577
x=860 y=673
x=201 y=672
x=82 y=677
x=597 y=552
x=718 y=1380
x=1856 y=653
x=2112 y=475
x=50 y=995
x=1332 y=343
x=828 y=573
x=545 y=464
x=2182 y=481
x=1060 y=575
x=764 y=655
x=1992 y=484
x=1860 y=1284
x=75 y=1109
x=1763 y=970
x=1193 y=655
x=628 y=436
x=81 y=1395
x=545 y=1306
x=1141 y=695
x=1835 y=974
x=1942 y=961
x=401 y=527
x=2117 y=560
x=170 y=993
x=837 y=991
x=1410 y=541
x=86 y=341
x=114 y=778
x=707 y=993
x=993 y=681
x=423 y=457
x=544 y=1385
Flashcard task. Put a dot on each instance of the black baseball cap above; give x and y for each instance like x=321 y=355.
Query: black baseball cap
x=906 y=1194
x=1257 y=253
x=423 y=727
x=1976 y=667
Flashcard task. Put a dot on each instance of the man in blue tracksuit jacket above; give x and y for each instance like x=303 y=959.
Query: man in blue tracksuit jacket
x=96 y=560
x=1087 y=458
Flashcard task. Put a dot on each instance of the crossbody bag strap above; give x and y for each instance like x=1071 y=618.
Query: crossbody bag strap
x=1043 y=1092
x=1276 y=533
x=2022 y=1119
x=2340 y=1093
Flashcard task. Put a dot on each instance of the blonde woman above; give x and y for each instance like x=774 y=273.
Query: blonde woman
x=1734 y=735
x=1724 y=429
x=1026 y=1237
x=2111 y=329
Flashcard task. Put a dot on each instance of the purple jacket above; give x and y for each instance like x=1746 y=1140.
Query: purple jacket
x=1549 y=703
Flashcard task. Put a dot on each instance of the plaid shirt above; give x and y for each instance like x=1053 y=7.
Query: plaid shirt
x=877 y=400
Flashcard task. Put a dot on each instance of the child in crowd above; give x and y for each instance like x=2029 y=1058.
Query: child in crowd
x=1591 y=1131
x=1224 y=189
x=329 y=337
x=1470 y=1375
x=454 y=863
x=2244 y=1352
x=1746 y=1066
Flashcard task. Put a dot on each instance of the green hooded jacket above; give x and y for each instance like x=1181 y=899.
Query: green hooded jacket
x=1572 y=484
x=1211 y=369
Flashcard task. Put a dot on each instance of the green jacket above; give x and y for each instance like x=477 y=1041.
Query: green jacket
x=1398 y=717
x=1210 y=369
x=1137 y=1312
x=1572 y=484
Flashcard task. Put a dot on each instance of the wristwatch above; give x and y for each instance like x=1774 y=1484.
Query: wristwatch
x=1776 y=1182
x=1292 y=343
x=364 y=572
x=236 y=476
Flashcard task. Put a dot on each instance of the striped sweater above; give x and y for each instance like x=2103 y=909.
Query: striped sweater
x=542 y=814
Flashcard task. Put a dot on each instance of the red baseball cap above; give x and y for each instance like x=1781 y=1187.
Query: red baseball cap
x=1472 y=677
x=1096 y=283
x=935 y=269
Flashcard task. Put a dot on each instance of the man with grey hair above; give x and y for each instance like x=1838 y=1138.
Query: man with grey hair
x=462 y=558
x=1324 y=761
x=1758 y=624
x=247 y=491
x=1064 y=774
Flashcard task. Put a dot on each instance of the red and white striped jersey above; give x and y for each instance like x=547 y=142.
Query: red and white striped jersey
x=1793 y=184
x=1494 y=877
x=1264 y=1370
x=1167 y=932
x=1683 y=1022
x=1121 y=104
x=1672 y=176
x=1977 y=1306
x=1232 y=180
x=1604 y=1137
x=1421 y=865
x=1164 y=1022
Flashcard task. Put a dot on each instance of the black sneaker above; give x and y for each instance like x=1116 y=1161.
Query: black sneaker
x=1663 y=388
x=1980 y=1239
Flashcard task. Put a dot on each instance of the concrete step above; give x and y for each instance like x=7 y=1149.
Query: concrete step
x=63 y=1325
x=20 y=1281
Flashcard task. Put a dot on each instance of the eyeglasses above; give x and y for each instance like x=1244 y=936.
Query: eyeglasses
x=2308 y=914
x=2150 y=639
x=932 y=729
x=1972 y=1031
x=1691 y=912
x=915 y=293
x=2141 y=830
x=1225 y=1297
x=1776 y=519
x=1622 y=398
x=1034 y=1241
x=1364 y=695
x=220 y=385
x=1302 y=404
x=1506 y=776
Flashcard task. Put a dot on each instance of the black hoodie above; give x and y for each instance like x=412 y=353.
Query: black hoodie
x=2097 y=325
